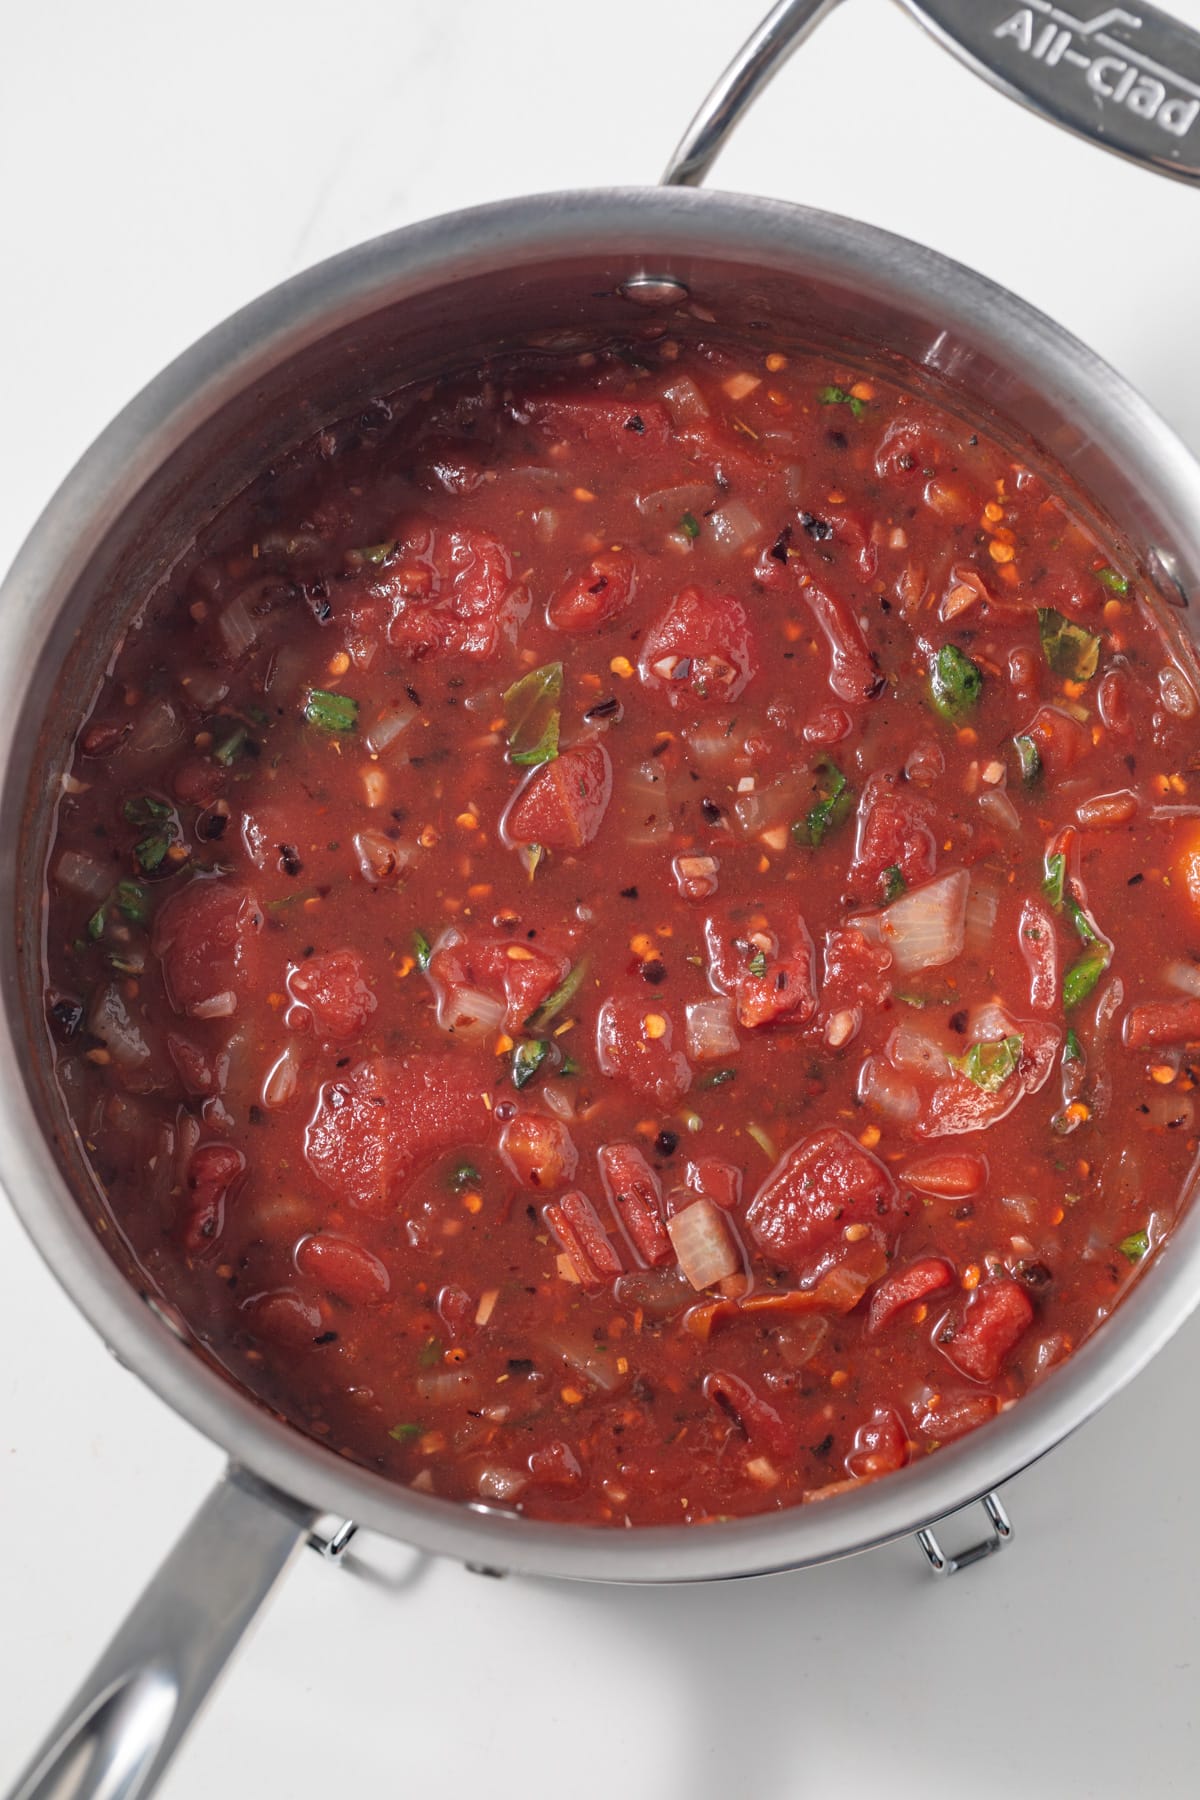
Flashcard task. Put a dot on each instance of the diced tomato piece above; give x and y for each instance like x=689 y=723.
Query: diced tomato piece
x=894 y=832
x=539 y=1150
x=596 y=596
x=343 y=1268
x=284 y=1318
x=947 y=1174
x=443 y=592
x=1039 y=947
x=594 y=1256
x=958 y=1104
x=911 y=446
x=719 y=1181
x=1059 y=739
x=602 y=421
x=1162 y=1022
x=213 y=1171
x=520 y=974
x=768 y=983
x=853 y=674
x=880 y=1446
x=381 y=1120
x=824 y=1183
x=556 y=1465
x=633 y=1043
x=998 y=1314
x=206 y=935
x=855 y=972
x=765 y=1428
x=701 y=648
x=333 y=986
x=635 y=1195
x=951 y=1416
x=562 y=805
x=193 y=1065
x=906 y=1285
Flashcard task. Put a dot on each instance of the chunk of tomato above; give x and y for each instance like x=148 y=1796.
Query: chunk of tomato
x=334 y=990
x=756 y=1418
x=894 y=832
x=443 y=592
x=997 y=1316
x=701 y=648
x=1039 y=947
x=213 y=1172
x=596 y=596
x=855 y=972
x=562 y=805
x=471 y=960
x=947 y=1174
x=770 y=984
x=958 y=1104
x=206 y=936
x=633 y=1043
x=539 y=1150
x=602 y=421
x=824 y=1183
x=635 y=1195
x=592 y=1253
x=897 y=1291
x=381 y=1120
x=880 y=1446
x=343 y=1268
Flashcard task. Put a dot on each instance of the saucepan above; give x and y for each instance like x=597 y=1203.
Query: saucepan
x=446 y=292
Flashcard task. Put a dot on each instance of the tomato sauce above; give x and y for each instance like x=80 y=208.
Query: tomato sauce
x=624 y=932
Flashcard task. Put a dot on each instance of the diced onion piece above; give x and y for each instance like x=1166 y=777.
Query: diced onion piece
x=714 y=740
x=684 y=401
x=81 y=874
x=668 y=505
x=782 y=801
x=379 y=858
x=1178 y=695
x=979 y=923
x=1184 y=976
x=487 y=1305
x=711 y=1030
x=733 y=525
x=469 y=1013
x=999 y=810
x=281 y=1080
x=494 y=1483
x=890 y=1093
x=843 y=1026
x=110 y=1021
x=392 y=720
x=238 y=630
x=917 y=1052
x=206 y=687
x=989 y=1023
x=760 y=1469
x=217 y=1006
x=924 y=928
x=703 y=1243
x=447 y=1387
x=159 y=727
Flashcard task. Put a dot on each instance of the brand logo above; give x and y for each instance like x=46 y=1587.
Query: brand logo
x=1112 y=69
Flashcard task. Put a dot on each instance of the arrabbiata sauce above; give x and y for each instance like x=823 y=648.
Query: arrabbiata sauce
x=624 y=940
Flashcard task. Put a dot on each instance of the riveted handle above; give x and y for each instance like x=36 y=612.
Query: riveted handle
x=1124 y=77
x=998 y=1537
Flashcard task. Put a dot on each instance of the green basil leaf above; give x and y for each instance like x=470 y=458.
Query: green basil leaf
x=401 y=1432
x=1072 y=1048
x=1135 y=1245
x=955 y=683
x=560 y=999
x=1069 y=649
x=758 y=964
x=834 y=806
x=894 y=884
x=421 y=949
x=691 y=525
x=527 y=1059
x=1029 y=758
x=1083 y=975
x=531 y=713
x=989 y=1065
x=331 y=712
x=1116 y=584
x=1054 y=880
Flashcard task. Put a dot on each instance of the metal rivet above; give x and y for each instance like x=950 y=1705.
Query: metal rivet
x=1166 y=567
x=653 y=290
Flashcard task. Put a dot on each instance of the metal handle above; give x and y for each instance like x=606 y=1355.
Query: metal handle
x=117 y=1736
x=999 y=1536
x=1125 y=78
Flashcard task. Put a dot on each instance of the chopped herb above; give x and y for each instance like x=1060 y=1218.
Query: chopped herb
x=1083 y=975
x=1029 y=758
x=377 y=554
x=1080 y=920
x=562 y=997
x=421 y=949
x=95 y=925
x=331 y=712
x=527 y=1059
x=431 y=1353
x=718 y=1078
x=954 y=683
x=531 y=710
x=1054 y=880
x=145 y=811
x=690 y=524
x=762 y=1140
x=131 y=900
x=1072 y=1049
x=917 y=1000
x=529 y=856
x=152 y=851
x=989 y=1065
x=400 y=1432
x=758 y=964
x=833 y=807
x=1116 y=584
x=569 y=1066
x=227 y=752
x=1135 y=1245
x=894 y=884
x=836 y=396
x=1069 y=649
x=464 y=1175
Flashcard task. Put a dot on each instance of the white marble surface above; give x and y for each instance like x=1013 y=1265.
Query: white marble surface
x=160 y=164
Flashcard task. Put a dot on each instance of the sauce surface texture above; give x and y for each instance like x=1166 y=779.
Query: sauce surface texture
x=624 y=938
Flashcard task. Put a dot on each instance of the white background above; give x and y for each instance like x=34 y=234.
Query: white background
x=159 y=165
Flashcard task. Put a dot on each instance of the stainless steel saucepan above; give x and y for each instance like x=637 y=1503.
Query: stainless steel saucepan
x=398 y=308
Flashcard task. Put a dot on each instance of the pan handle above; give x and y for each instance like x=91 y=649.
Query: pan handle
x=118 y=1734
x=1126 y=78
